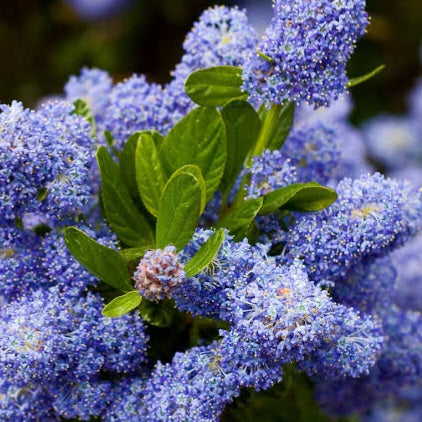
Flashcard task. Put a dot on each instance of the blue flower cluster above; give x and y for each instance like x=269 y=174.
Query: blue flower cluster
x=45 y=157
x=303 y=55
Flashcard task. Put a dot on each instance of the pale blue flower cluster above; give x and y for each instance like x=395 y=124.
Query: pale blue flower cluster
x=303 y=55
x=45 y=157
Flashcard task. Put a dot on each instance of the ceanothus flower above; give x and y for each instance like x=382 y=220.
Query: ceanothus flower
x=407 y=260
x=135 y=105
x=397 y=369
x=368 y=285
x=304 y=53
x=45 y=157
x=29 y=262
x=159 y=273
x=393 y=141
x=94 y=87
x=125 y=400
x=82 y=400
x=351 y=348
x=221 y=36
x=282 y=317
x=270 y=171
x=23 y=404
x=193 y=387
x=348 y=146
x=205 y=293
x=49 y=336
x=372 y=216
x=314 y=151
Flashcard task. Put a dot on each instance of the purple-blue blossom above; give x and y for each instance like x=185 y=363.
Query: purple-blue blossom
x=394 y=141
x=221 y=36
x=94 y=87
x=205 y=293
x=49 y=336
x=45 y=157
x=303 y=55
x=372 y=216
x=270 y=171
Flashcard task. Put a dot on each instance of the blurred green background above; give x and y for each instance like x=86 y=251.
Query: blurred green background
x=42 y=42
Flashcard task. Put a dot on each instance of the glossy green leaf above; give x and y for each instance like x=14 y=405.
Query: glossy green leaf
x=122 y=215
x=179 y=210
x=205 y=254
x=299 y=197
x=150 y=175
x=239 y=218
x=102 y=262
x=82 y=109
x=200 y=139
x=242 y=128
x=122 y=304
x=361 y=79
x=215 y=86
x=129 y=254
x=193 y=169
x=127 y=163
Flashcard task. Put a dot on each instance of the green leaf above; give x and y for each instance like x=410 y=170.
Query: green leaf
x=360 y=79
x=82 y=109
x=239 y=218
x=130 y=254
x=179 y=210
x=127 y=163
x=205 y=254
x=122 y=215
x=159 y=314
x=150 y=175
x=195 y=170
x=276 y=124
x=200 y=139
x=215 y=86
x=122 y=305
x=299 y=197
x=242 y=128
x=103 y=262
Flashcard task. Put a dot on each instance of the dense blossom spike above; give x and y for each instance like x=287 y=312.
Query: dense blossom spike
x=193 y=387
x=368 y=285
x=397 y=369
x=49 y=336
x=29 y=262
x=221 y=36
x=303 y=55
x=18 y=404
x=270 y=171
x=314 y=151
x=205 y=293
x=372 y=216
x=351 y=348
x=94 y=86
x=45 y=157
x=82 y=400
